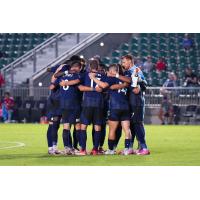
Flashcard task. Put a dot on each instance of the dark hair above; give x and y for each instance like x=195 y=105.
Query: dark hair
x=128 y=57
x=67 y=62
x=7 y=93
x=93 y=64
x=77 y=63
x=75 y=58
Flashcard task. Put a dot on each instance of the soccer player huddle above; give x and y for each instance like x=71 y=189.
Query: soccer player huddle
x=85 y=94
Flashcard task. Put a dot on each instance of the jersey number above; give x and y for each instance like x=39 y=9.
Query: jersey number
x=66 y=87
x=122 y=90
x=92 y=83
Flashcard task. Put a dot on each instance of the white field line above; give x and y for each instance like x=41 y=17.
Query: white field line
x=13 y=145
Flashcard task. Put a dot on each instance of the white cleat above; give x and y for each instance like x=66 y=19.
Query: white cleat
x=110 y=152
x=68 y=151
x=126 y=152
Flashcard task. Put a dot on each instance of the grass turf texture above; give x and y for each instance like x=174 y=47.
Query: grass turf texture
x=169 y=145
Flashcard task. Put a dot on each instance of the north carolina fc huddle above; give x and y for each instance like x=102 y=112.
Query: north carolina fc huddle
x=84 y=94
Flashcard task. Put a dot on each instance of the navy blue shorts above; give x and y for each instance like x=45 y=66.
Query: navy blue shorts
x=119 y=115
x=92 y=115
x=70 y=115
x=137 y=114
x=53 y=108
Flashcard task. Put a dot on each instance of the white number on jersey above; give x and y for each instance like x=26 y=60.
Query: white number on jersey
x=65 y=87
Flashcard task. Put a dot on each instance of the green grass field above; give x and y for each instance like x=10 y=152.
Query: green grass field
x=169 y=145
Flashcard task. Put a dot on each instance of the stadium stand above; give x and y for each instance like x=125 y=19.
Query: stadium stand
x=14 y=45
x=166 y=45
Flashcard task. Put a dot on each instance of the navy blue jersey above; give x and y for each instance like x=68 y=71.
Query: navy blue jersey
x=93 y=98
x=118 y=99
x=69 y=95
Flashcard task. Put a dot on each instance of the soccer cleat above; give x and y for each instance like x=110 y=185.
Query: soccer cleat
x=82 y=153
x=51 y=152
x=94 y=152
x=126 y=152
x=76 y=151
x=101 y=151
x=57 y=152
x=110 y=152
x=68 y=151
x=143 y=152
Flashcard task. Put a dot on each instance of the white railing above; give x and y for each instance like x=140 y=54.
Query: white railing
x=153 y=96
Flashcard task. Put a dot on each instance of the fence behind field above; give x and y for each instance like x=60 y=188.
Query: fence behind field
x=153 y=95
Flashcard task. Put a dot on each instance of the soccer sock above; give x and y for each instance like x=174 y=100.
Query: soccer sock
x=140 y=133
x=75 y=138
x=93 y=132
x=133 y=135
x=49 y=136
x=127 y=143
x=103 y=135
x=111 y=144
x=83 y=137
x=66 y=138
x=97 y=135
x=118 y=135
x=54 y=132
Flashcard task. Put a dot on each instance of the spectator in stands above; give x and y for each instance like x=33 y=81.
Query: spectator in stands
x=138 y=62
x=187 y=42
x=148 y=65
x=191 y=79
x=7 y=107
x=171 y=81
x=166 y=111
x=160 y=65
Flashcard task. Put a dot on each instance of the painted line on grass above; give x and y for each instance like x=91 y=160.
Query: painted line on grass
x=13 y=145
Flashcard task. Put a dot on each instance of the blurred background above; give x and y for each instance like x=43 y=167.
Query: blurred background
x=170 y=62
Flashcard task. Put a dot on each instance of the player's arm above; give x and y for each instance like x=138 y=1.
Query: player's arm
x=59 y=74
x=119 y=86
x=68 y=83
x=124 y=78
x=84 y=88
x=120 y=77
x=98 y=82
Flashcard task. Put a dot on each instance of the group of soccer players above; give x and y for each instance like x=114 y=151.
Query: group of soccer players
x=85 y=94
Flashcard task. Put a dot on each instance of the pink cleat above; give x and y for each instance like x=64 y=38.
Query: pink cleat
x=143 y=152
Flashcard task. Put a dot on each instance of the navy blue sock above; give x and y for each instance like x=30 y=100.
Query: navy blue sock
x=66 y=138
x=140 y=133
x=111 y=144
x=97 y=135
x=118 y=135
x=103 y=135
x=75 y=138
x=127 y=143
x=54 y=132
x=49 y=136
x=133 y=135
x=83 y=137
x=93 y=131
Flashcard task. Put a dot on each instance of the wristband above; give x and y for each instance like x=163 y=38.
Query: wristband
x=117 y=75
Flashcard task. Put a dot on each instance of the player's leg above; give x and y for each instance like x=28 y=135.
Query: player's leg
x=118 y=135
x=67 y=139
x=111 y=137
x=93 y=131
x=97 y=122
x=127 y=141
x=49 y=139
x=54 y=132
x=86 y=118
x=102 y=138
x=138 y=127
